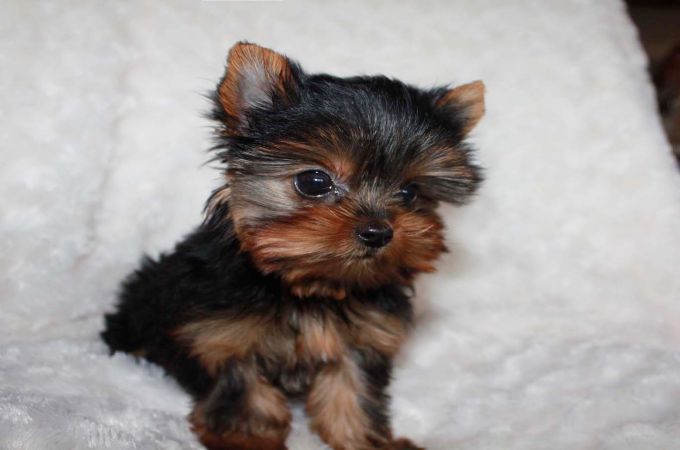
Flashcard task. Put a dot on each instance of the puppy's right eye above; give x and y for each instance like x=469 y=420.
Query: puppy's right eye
x=314 y=183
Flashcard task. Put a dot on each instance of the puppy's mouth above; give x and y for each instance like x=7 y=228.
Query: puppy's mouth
x=366 y=256
x=368 y=253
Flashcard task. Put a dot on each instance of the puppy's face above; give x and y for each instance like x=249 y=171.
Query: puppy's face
x=333 y=183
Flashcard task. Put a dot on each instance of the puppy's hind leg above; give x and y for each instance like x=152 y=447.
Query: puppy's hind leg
x=139 y=310
x=243 y=411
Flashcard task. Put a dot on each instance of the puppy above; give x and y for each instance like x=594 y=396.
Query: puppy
x=296 y=284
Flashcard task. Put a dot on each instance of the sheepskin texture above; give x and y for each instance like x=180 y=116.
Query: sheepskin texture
x=553 y=323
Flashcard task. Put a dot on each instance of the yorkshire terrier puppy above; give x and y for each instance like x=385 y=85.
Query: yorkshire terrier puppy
x=296 y=285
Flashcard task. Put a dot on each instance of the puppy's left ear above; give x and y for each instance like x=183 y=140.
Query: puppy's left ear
x=466 y=102
x=257 y=79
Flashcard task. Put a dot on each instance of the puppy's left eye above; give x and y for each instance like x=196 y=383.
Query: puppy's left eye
x=408 y=193
x=314 y=183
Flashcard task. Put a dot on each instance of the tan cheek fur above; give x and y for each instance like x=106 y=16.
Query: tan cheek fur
x=313 y=251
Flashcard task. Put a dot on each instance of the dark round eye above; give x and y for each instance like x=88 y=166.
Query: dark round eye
x=408 y=193
x=313 y=183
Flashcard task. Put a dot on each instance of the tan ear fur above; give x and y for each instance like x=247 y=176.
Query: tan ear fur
x=254 y=75
x=469 y=99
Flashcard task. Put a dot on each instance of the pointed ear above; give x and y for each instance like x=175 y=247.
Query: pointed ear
x=256 y=78
x=467 y=101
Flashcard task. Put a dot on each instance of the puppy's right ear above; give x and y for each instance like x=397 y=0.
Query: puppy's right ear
x=257 y=79
x=466 y=103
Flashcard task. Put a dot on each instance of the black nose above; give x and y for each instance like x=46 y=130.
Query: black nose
x=374 y=234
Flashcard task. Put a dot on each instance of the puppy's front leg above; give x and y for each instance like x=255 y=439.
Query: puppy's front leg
x=243 y=411
x=348 y=404
x=345 y=410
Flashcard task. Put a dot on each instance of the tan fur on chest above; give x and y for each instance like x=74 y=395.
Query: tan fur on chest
x=293 y=337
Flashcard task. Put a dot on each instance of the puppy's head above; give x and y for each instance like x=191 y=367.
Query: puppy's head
x=332 y=183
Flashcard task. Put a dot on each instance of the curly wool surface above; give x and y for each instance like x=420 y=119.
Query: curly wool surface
x=554 y=322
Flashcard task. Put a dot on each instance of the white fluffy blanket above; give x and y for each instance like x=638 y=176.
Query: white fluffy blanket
x=554 y=323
